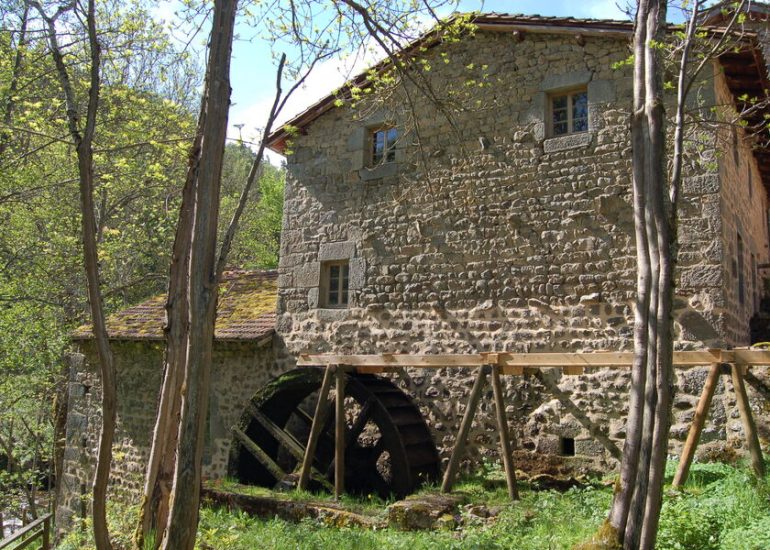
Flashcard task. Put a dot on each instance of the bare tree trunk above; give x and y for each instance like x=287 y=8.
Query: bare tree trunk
x=203 y=288
x=160 y=470
x=172 y=486
x=636 y=508
x=83 y=143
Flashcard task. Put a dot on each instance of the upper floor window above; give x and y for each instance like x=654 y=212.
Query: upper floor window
x=335 y=277
x=569 y=112
x=383 y=145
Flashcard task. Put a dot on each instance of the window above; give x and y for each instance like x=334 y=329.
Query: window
x=383 y=145
x=569 y=113
x=334 y=284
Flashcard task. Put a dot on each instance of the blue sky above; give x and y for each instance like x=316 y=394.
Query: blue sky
x=253 y=69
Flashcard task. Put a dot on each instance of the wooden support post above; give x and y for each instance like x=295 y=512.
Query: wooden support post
x=698 y=421
x=749 y=427
x=315 y=429
x=465 y=428
x=257 y=452
x=339 y=435
x=46 y=534
x=505 y=434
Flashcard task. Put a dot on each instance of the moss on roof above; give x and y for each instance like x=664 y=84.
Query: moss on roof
x=246 y=311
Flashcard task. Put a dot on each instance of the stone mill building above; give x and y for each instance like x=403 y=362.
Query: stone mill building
x=494 y=216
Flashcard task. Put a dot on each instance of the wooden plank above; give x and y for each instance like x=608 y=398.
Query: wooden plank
x=315 y=429
x=465 y=428
x=289 y=442
x=339 y=435
x=505 y=435
x=395 y=360
x=257 y=452
x=698 y=421
x=623 y=359
x=27 y=530
x=749 y=427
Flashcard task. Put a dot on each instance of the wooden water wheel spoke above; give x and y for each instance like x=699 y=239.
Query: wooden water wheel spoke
x=377 y=457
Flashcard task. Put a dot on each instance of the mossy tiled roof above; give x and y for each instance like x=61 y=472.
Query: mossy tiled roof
x=246 y=311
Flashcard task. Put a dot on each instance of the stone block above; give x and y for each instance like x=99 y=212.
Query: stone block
x=312 y=298
x=701 y=185
x=357 y=274
x=564 y=143
x=336 y=251
x=601 y=91
x=702 y=276
x=565 y=80
x=588 y=447
x=307 y=274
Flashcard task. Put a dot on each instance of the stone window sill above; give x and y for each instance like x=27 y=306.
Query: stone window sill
x=564 y=143
x=332 y=314
x=378 y=172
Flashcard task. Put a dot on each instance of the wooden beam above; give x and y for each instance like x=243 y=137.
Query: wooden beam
x=315 y=429
x=505 y=435
x=257 y=452
x=339 y=434
x=389 y=362
x=465 y=428
x=749 y=427
x=698 y=421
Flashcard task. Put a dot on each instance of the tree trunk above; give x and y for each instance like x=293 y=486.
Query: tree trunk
x=83 y=143
x=636 y=507
x=172 y=486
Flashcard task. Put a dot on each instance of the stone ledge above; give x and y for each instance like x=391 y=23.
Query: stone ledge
x=564 y=143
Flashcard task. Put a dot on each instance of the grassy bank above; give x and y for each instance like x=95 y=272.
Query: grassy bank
x=722 y=507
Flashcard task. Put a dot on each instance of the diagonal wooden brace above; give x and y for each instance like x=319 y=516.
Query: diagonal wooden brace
x=465 y=428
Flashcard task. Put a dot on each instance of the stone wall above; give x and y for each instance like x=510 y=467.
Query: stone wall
x=239 y=370
x=743 y=212
x=488 y=235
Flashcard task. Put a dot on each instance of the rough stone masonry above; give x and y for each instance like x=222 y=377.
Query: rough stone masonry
x=489 y=233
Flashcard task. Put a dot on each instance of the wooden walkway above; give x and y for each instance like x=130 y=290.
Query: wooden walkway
x=734 y=362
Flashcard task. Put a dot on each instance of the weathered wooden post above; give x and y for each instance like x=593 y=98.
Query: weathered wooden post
x=698 y=421
x=505 y=434
x=339 y=434
x=465 y=428
x=316 y=427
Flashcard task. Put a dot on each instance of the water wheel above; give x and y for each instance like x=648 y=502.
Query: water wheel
x=388 y=448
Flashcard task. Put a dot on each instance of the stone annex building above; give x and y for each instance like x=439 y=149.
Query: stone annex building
x=506 y=226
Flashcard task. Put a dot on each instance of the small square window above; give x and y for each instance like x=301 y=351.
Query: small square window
x=569 y=112
x=334 y=284
x=382 y=145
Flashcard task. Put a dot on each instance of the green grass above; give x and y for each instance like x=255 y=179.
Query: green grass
x=722 y=507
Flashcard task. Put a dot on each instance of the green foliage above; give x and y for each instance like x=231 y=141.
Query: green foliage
x=723 y=507
x=259 y=235
x=720 y=504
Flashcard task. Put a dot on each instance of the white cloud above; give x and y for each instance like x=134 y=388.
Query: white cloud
x=323 y=80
